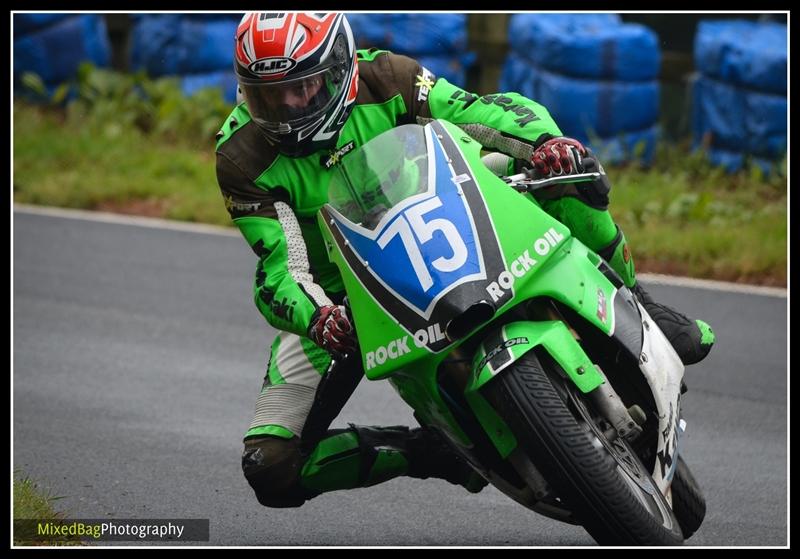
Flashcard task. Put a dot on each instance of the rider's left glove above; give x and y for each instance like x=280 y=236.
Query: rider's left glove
x=332 y=331
x=558 y=156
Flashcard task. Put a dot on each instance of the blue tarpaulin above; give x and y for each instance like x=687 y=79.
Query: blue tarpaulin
x=55 y=51
x=739 y=104
x=412 y=34
x=580 y=106
x=738 y=119
x=586 y=45
x=173 y=44
x=742 y=52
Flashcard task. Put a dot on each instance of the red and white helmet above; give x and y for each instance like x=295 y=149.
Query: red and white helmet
x=298 y=75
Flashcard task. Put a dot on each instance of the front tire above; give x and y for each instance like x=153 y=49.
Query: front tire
x=603 y=482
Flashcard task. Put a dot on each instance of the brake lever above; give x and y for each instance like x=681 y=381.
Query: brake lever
x=523 y=183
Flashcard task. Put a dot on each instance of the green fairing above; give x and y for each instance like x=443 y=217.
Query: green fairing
x=564 y=269
x=622 y=263
x=523 y=228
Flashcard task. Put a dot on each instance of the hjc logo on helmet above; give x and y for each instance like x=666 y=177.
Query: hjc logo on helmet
x=274 y=65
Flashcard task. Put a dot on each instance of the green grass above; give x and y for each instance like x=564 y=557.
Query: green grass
x=680 y=216
x=32 y=502
x=112 y=168
x=702 y=222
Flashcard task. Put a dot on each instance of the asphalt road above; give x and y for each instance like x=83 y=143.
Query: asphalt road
x=138 y=356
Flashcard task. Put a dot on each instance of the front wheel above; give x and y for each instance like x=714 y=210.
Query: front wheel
x=602 y=481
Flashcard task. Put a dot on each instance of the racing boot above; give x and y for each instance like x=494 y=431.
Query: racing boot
x=691 y=339
x=430 y=456
x=426 y=453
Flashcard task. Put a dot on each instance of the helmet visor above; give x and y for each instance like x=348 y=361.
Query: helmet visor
x=293 y=102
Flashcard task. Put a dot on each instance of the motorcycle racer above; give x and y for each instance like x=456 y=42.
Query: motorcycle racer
x=310 y=98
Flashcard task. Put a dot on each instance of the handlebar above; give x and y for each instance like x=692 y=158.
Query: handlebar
x=523 y=182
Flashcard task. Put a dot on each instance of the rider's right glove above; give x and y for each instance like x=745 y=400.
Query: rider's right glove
x=558 y=156
x=332 y=331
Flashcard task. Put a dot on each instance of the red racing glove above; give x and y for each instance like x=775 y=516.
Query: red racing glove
x=558 y=156
x=333 y=331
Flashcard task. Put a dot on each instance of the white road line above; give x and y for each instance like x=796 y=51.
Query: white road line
x=121 y=219
x=712 y=284
x=155 y=223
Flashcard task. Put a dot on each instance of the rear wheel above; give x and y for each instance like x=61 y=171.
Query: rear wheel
x=602 y=481
x=688 y=501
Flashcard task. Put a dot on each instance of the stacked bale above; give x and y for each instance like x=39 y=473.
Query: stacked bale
x=197 y=48
x=595 y=75
x=437 y=41
x=54 y=45
x=739 y=108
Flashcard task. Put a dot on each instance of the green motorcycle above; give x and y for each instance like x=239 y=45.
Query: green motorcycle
x=510 y=338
